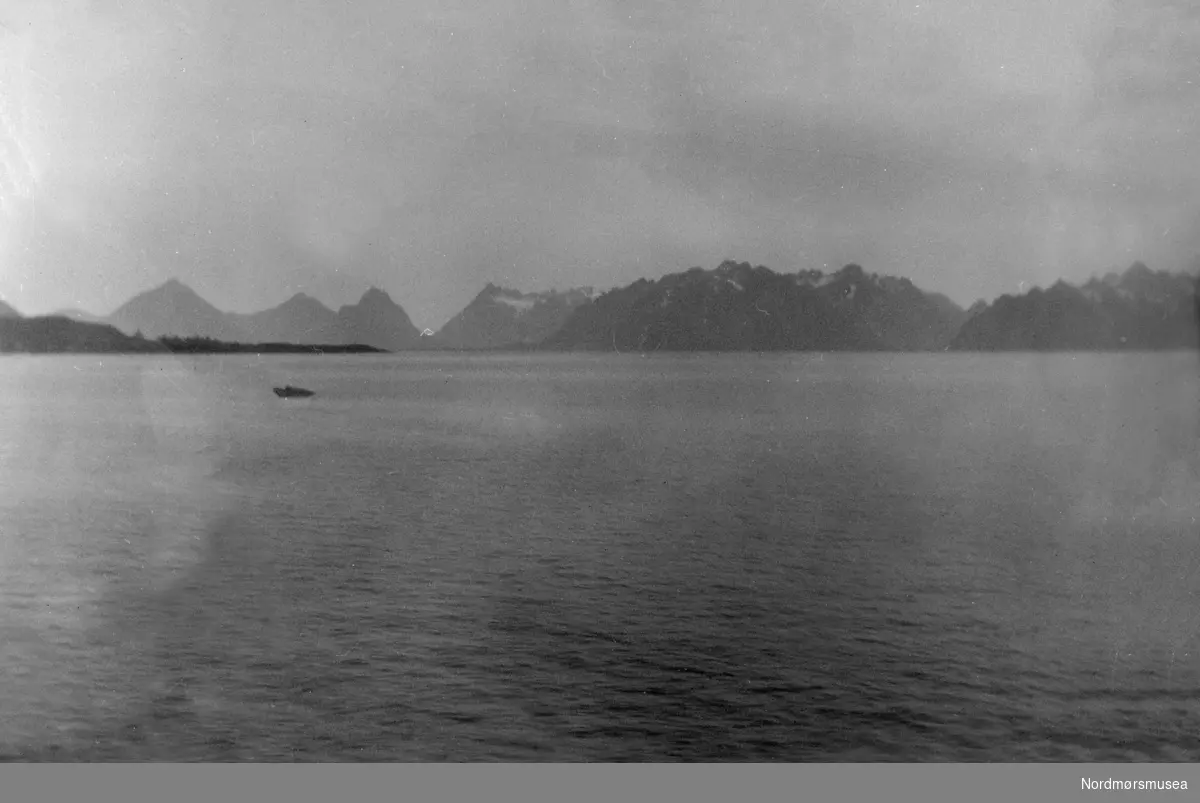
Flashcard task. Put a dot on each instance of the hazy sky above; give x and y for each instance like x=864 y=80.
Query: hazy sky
x=256 y=149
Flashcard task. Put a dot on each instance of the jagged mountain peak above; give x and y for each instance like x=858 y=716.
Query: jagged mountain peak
x=729 y=266
x=500 y=316
x=373 y=298
x=172 y=285
x=1138 y=269
x=173 y=288
x=742 y=273
x=173 y=308
x=377 y=320
x=303 y=301
x=375 y=294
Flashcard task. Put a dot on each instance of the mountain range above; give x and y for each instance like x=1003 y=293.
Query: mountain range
x=175 y=309
x=735 y=307
x=1140 y=309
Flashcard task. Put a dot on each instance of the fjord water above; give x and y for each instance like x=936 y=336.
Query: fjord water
x=561 y=558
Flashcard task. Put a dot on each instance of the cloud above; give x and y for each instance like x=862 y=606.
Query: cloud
x=257 y=149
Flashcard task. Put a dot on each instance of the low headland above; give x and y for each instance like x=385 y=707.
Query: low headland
x=53 y=334
x=206 y=345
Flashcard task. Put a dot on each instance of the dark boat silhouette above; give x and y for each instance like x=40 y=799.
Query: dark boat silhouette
x=289 y=392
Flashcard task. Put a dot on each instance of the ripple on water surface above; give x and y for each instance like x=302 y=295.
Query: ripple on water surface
x=904 y=557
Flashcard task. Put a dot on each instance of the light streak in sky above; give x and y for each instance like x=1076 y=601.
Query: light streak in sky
x=18 y=169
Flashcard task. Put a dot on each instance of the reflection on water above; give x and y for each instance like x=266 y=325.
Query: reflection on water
x=793 y=557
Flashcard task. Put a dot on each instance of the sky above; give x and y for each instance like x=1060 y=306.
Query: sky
x=258 y=149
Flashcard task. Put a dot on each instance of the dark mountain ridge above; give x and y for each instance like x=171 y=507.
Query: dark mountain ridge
x=739 y=307
x=1139 y=310
x=735 y=307
x=55 y=335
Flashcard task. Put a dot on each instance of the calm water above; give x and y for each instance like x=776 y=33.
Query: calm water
x=782 y=558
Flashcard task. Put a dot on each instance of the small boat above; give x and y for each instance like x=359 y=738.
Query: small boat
x=290 y=392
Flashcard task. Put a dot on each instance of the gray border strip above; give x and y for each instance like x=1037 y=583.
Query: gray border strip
x=731 y=783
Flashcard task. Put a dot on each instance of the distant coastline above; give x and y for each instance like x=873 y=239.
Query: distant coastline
x=54 y=334
x=204 y=345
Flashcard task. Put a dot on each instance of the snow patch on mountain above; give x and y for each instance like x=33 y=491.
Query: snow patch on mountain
x=517 y=303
